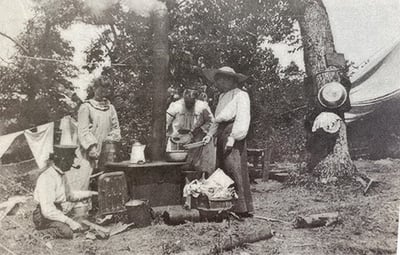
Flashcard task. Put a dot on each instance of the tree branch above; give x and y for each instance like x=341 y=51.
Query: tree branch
x=16 y=43
x=114 y=32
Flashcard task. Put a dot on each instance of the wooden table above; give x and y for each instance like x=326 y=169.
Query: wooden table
x=160 y=182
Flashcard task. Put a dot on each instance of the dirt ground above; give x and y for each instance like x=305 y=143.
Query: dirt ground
x=368 y=223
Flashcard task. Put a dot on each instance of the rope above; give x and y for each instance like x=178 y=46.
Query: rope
x=64 y=61
x=45 y=59
x=17 y=163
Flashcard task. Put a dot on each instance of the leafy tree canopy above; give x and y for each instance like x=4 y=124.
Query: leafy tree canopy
x=31 y=85
x=203 y=34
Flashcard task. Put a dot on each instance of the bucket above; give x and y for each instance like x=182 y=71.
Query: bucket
x=139 y=212
x=81 y=209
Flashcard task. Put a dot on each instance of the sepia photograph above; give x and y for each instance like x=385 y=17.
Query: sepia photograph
x=199 y=127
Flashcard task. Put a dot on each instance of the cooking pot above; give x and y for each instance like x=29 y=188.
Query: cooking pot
x=139 y=212
x=81 y=209
x=109 y=153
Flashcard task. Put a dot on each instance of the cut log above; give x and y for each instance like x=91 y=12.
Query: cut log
x=175 y=215
x=234 y=241
x=316 y=220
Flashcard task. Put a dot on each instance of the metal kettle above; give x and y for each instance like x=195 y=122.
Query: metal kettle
x=137 y=153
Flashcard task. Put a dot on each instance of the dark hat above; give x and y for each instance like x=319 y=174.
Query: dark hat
x=65 y=150
x=225 y=70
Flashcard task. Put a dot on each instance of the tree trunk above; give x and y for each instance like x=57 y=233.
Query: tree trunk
x=160 y=80
x=317 y=43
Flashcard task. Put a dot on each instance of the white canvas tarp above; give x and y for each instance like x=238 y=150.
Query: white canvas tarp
x=378 y=82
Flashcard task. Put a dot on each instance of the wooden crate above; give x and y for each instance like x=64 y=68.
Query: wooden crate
x=259 y=160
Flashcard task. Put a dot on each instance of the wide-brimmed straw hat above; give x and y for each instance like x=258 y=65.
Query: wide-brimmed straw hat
x=225 y=70
x=332 y=95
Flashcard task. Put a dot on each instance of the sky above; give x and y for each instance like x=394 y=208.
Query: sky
x=361 y=28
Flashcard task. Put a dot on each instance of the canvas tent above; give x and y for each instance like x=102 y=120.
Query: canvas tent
x=376 y=83
x=374 y=120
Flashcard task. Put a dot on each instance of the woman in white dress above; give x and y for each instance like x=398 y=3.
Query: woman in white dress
x=230 y=127
x=97 y=123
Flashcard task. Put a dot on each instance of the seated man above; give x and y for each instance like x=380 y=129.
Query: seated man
x=52 y=196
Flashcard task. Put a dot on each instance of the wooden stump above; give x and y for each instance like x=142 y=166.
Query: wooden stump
x=338 y=163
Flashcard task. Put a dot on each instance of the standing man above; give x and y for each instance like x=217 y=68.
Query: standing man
x=54 y=199
x=189 y=120
x=97 y=124
x=232 y=120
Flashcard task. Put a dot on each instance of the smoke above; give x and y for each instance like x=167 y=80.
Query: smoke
x=140 y=7
x=143 y=7
x=98 y=7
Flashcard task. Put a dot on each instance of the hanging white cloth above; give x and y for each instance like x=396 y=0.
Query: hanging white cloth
x=6 y=141
x=328 y=121
x=69 y=131
x=41 y=143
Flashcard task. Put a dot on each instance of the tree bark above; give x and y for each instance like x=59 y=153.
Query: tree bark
x=160 y=80
x=317 y=43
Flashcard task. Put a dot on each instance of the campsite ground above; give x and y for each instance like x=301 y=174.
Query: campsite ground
x=368 y=223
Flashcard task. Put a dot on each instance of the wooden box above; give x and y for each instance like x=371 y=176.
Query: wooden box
x=159 y=186
x=158 y=182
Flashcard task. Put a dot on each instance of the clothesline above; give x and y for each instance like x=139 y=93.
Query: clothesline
x=60 y=60
x=45 y=59
x=40 y=142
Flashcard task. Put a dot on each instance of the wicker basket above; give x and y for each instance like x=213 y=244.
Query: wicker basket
x=215 y=204
x=223 y=204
